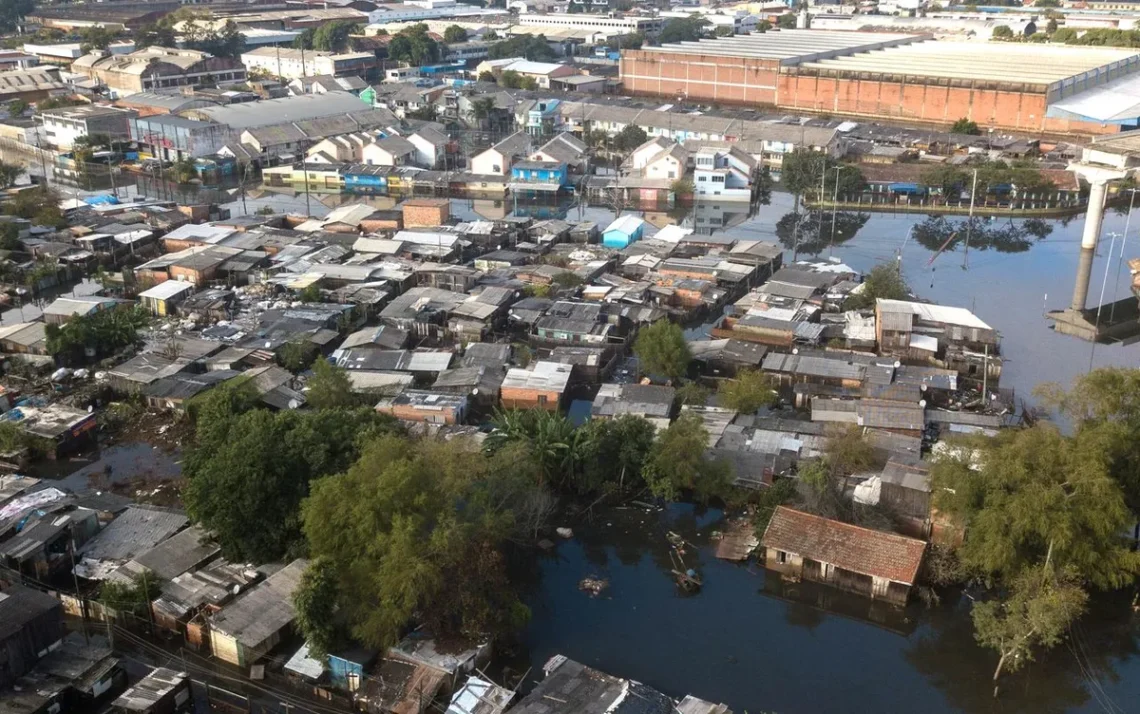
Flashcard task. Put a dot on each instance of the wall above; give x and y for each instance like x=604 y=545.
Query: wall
x=426 y=216
x=519 y=398
x=699 y=77
x=226 y=648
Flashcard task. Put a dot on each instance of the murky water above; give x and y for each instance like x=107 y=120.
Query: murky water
x=120 y=463
x=758 y=645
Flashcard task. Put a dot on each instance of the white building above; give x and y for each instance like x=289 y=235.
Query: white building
x=498 y=159
x=431 y=146
x=723 y=173
x=412 y=10
x=389 y=151
x=288 y=63
x=625 y=25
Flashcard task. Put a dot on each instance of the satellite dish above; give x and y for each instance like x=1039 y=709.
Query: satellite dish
x=795 y=350
x=898 y=364
x=922 y=387
x=922 y=403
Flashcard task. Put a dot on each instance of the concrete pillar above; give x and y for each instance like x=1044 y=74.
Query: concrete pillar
x=1098 y=178
x=1098 y=191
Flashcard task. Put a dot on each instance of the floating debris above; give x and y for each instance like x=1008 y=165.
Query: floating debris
x=738 y=541
x=593 y=586
x=564 y=532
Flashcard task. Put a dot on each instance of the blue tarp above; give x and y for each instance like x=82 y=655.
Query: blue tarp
x=906 y=188
x=101 y=200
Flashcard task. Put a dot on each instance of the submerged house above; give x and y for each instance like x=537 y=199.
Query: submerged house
x=874 y=563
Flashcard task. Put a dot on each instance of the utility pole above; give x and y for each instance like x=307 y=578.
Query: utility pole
x=834 y=203
x=970 y=222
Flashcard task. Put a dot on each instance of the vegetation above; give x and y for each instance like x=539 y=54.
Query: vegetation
x=750 y=391
x=513 y=80
x=454 y=33
x=131 y=597
x=883 y=282
x=531 y=47
x=1065 y=36
x=17 y=107
x=683 y=29
x=804 y=169
x=414 y=46
x=249 y=468
x=683 y=187
x=10 y=236
x=678 y=464
x=662 y=350
x=568 y=279
x=415 y=530
x=39 y=205
x=9 y=174
x=965 y=126
x=57 y=103
x=12 y=13
x=155 y=35
x=316 y=603
x=330 y=387
x=102 y=332
x=1002 y=32
x=183 y=171
x=724 y=31
x=334 y=36
x=224 y=42
x=1042 y=518
x=787 y=21
x=487 y=76
x=629 y=138
x=693 y=393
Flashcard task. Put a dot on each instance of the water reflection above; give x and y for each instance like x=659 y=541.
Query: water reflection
x=811 y=233
x=942 y=233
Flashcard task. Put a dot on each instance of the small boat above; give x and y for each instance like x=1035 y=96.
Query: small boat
x=686 y=578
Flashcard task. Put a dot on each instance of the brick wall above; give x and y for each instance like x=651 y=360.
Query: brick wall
x=517 y=398
x=426 y=214
x=699 y=77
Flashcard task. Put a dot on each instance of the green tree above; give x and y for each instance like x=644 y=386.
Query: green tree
x=296 y=355
x=724 y=31
x=454 y=33
x=333 y=36
x=304 y=41
x=315 y=601
x=1034 y=495
x=414 y=530
x=487 y=76
x=614 y=454
x=763 y=26
x=96 y=38
x=555 y=446
x=662 y=350
x=693 y=393
x=330 y=387
x=12 y=13
x=629 y=138
x=883 y=282
x=249 y=469
x=748 y=392
x=9 y=174
x=568 y=279
x=965 y=126
x=17 y=107
x=1065 y=36
x=948 y=179
x=1002 y=32
x=682 y=29
x=678 y=464
x=531 y=47
x=781 y=492
x=131 y=597
x=10 y=236
x=155 y=35
x=1051 y=26
x=1035 y=614
x=414 y=46
x=787 y=21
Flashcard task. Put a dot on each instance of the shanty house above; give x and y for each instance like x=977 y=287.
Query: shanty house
x=623 y=231
x=431 y=407
x=31 y=624
x=874 y=563
x=253 y=624
x=163 y=691
x=162 y=299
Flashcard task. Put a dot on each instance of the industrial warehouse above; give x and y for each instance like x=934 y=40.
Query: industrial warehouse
x=912 y=78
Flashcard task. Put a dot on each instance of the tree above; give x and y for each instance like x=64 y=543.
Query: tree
x=1034 y=495
x=948 y=179
x=630 y=137
x=454 y=33
x=1002 y=32
x=1065 y=35
x=554 y=445
x=330 y=387
x=12 y=13
x=414 y=529
x=183 y=171
x=682 y=187
x=315 y=602
x=883 y=282
x=414 y=46
x=249 y=469
x=682 y=29
x=677 y=463
x=568 y=279
x=304 y=41
x=1047 y=3
x=1037 y=613
x=17 y=107
x=531 y=47
x=724 y=31
x=103 y=331
x=1051 y=26
x=481 y=109
x=155 y=35
x=487 y=76
x=763 y=26
x=333 y=36
x=662 y=350
x=693 y=393
x=804 y=169
x=10 y=236
x=96 y=38
x=965 y=126
x=132 y=597
x=751 y=390
x=787 y=21
x=9 y=174
x=614 y=454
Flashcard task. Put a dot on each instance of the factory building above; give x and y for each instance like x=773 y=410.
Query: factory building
x=905 y=78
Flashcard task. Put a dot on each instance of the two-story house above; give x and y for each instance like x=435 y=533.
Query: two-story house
x=539 y=176
x=499 y=158
x=723 y=173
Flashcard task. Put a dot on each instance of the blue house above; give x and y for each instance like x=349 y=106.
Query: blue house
x=365 y=178
x=623 y=231
x=539 y=176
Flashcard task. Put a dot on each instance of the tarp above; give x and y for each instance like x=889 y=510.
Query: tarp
x=101 y=200
x=906 y=188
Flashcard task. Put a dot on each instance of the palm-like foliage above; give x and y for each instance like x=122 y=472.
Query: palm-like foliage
x=551 y=439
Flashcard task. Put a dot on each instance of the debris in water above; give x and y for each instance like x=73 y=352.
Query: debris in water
x=593 y=586
x=564 y=532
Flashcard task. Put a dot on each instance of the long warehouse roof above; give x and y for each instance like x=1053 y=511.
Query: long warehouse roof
x=794 y=45
x=992 y=61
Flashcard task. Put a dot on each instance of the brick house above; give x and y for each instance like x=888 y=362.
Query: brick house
x=540 y=387
x=426 y=212
x=874 y=563
x=431 y=407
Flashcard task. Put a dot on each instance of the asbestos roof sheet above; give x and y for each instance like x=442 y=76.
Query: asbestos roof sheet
x=932 y=313
x=860 y=550
x=263 y=611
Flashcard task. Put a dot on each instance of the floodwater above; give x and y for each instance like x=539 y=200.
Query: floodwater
x=758 y=645
x=107 y=466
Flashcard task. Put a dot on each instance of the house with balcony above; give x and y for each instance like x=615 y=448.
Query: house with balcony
x=725 y=174
x=540 y=117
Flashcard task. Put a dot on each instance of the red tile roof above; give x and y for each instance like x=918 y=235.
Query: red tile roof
x=860 y=550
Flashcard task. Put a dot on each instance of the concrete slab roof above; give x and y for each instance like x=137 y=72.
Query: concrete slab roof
x=982 y=61
x=790 y=46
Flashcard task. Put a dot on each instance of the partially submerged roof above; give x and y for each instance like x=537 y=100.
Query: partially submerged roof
x=854 y=548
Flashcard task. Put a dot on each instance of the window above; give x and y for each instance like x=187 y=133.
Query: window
x=672 y=174
x=718 y=179
x=781 y=557
x=700 y=178
x=542 y=399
